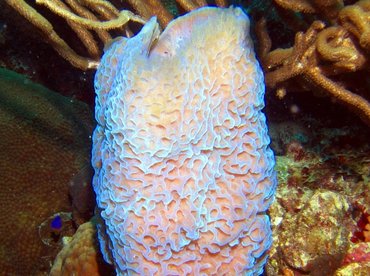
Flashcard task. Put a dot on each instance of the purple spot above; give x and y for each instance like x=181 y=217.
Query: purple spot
x=56 y=223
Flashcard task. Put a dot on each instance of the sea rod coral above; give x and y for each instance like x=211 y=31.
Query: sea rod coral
x=183 y=171
x=328 y=55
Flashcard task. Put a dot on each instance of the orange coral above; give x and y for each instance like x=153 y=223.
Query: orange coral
x=80 y=255
x=43 y=141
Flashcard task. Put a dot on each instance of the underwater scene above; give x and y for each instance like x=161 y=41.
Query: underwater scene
x=185 y=137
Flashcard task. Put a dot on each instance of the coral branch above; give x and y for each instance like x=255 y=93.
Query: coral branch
x=356 y=19
x=122 y=19
x=84 y=35
x=335 y=45
x=323 y=51
x=84 y=12
x=301 y=6
x=53 y=38
x=80 y=16
x=221 y=3
x=357 y=103
x=157 y=9
x=328 y=8
x=188 y=5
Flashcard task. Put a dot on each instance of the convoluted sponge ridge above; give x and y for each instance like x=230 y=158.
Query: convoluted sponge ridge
x=183 y=171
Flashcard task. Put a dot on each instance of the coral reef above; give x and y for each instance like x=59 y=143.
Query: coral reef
x=321 y=198
x=183 y=171
x=44 y=139
x=329 y=56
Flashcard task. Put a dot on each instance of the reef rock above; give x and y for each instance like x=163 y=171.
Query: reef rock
x=317 y=232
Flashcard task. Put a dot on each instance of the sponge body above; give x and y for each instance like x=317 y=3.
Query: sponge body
x=183 y=171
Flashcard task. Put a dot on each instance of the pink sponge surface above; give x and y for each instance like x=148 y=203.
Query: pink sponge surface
x=183 y=171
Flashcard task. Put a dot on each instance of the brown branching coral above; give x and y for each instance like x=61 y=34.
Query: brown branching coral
x=80 y=16
x=327 y=8
x=356 y=19
x=322 y=52
x=100 y=16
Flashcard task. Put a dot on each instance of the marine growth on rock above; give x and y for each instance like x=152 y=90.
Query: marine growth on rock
x=183 y=169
